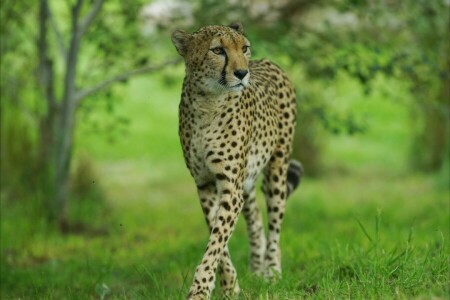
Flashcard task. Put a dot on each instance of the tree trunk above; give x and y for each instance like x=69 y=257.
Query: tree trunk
x=47 y=123
x=56 y=127
x=431 y=143
x=65 y=129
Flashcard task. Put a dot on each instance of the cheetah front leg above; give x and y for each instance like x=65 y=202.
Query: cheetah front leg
x=230 y=205
x=275 y=191
x=227 y=273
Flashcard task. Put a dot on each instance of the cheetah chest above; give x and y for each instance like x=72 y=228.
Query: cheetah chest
x=227 y=139
x=261 y=148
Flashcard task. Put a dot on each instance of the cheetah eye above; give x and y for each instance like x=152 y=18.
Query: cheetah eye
x=218 y=50
x=245 y=49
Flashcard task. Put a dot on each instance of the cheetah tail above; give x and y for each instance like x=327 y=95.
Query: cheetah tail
x=294 y=175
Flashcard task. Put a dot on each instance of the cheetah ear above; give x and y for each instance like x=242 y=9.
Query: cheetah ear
x=237 y=26
x=181 y=40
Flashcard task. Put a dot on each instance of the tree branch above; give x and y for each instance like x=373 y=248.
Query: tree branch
x=45 y=66
x=58 y=35
x=72 y=55
x=123 y=76
x=87 y=20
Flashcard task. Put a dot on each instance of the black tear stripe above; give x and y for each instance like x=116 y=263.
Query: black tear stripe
x=224 y=72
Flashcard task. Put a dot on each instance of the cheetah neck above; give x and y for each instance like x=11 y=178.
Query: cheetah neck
x=208 y=104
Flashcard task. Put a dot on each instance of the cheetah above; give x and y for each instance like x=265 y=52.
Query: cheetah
x=236 y=120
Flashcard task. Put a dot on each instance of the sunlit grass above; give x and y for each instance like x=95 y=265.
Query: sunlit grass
x=372 y=247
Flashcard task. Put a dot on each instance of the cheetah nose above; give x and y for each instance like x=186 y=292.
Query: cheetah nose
x=240 y=73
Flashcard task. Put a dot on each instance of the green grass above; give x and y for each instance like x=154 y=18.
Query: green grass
x=367 y=246
x=375 y=231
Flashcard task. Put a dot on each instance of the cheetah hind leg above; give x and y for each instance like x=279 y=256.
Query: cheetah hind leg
x=255 y=229
x=276 y=194
x=228 y=277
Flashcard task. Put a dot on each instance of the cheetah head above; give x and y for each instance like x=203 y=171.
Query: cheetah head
x=216 y=57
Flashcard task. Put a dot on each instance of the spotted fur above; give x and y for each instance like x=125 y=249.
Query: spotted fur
x=236 y=120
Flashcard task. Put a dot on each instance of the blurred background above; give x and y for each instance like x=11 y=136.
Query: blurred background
x=91 y=165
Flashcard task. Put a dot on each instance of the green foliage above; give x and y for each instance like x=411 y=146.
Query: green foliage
x=18 y=141
x=114 y=43
x=18 y=148
x=92 y=112
x=88 y=210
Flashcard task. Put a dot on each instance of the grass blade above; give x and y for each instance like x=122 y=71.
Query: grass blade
x=364 y=230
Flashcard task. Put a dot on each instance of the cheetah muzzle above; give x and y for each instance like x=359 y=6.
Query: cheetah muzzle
x=236 y=120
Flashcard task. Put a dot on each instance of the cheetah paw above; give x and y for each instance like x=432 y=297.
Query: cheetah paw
x=272 y=274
